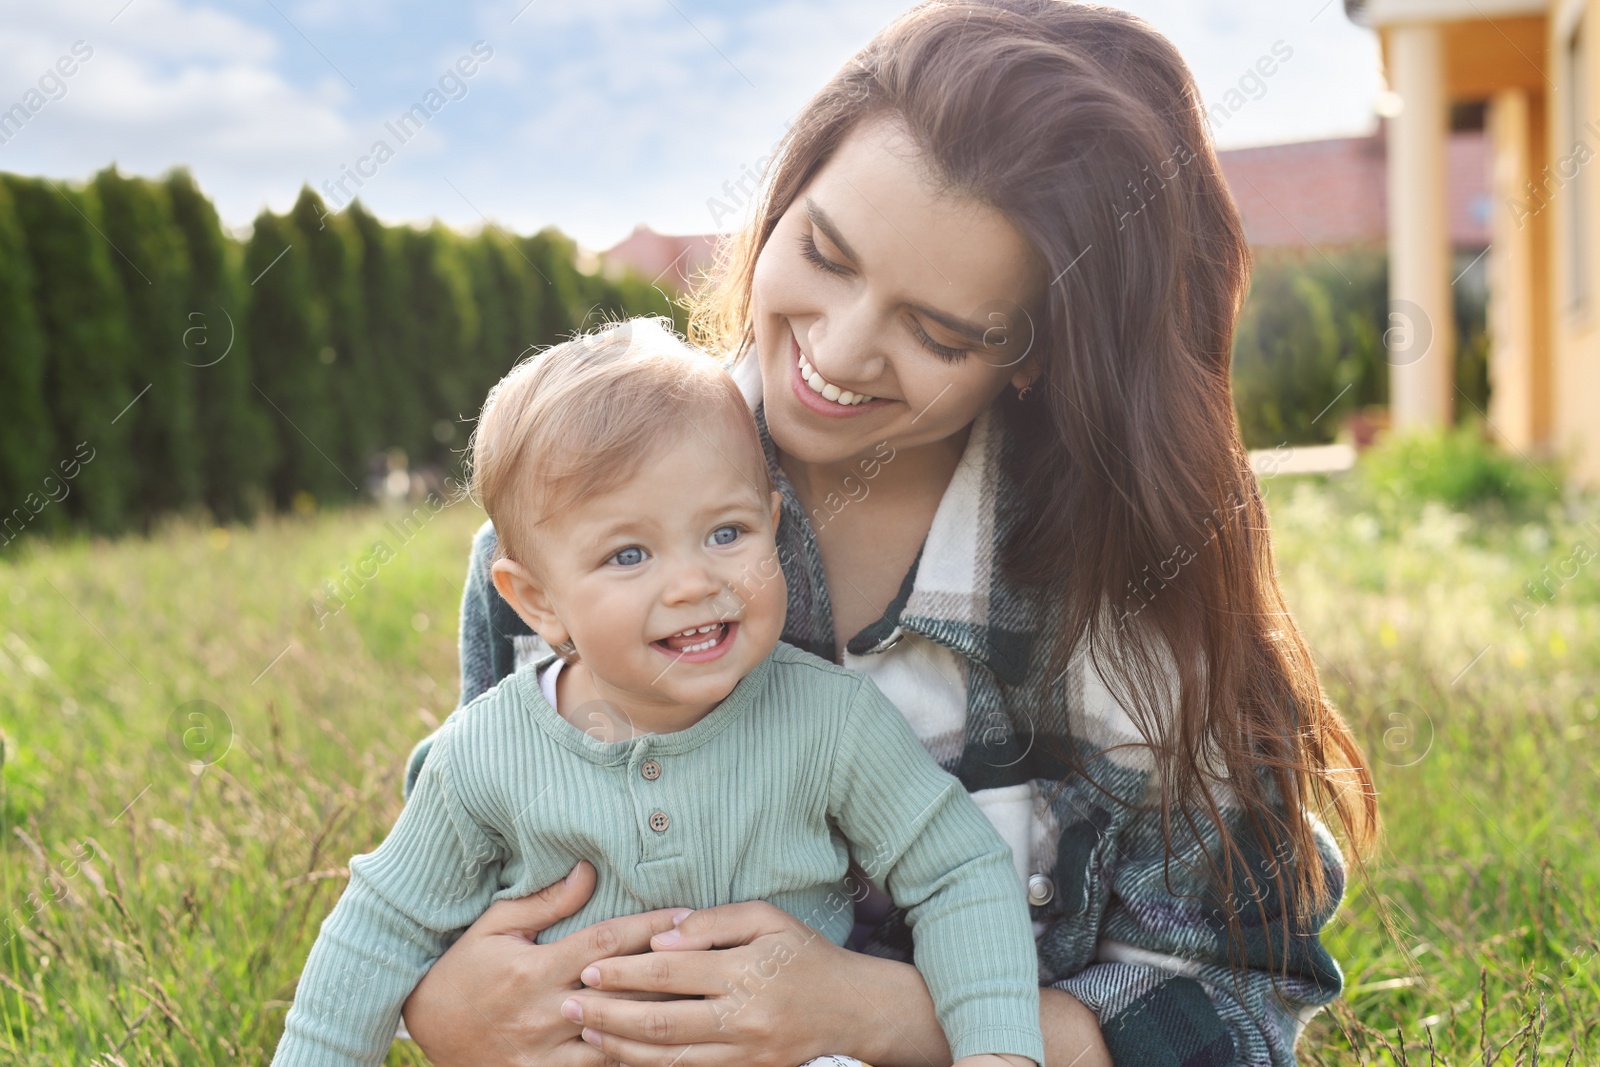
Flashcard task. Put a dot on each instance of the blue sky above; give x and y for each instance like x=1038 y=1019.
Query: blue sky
x=591 y=116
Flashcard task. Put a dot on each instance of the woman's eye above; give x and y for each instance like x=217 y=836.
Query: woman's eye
x=725 y=535
x=628 y=557
x=944 y=352
x=814 y=256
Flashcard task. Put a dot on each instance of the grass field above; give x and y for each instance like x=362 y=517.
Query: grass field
x=195 y=744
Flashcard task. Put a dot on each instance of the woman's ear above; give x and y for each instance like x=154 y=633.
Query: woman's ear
x=528 y=599
x=777 y=509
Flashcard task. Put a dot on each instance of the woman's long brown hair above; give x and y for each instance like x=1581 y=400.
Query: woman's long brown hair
x=1083 y=126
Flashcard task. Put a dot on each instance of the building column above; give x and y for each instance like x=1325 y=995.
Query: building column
x=1519 y=360
x=1421 y=333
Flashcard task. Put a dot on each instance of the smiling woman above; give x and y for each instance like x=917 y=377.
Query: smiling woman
x=944 y=263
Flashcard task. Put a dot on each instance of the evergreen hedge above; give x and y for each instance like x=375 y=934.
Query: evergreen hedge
x=153 y=364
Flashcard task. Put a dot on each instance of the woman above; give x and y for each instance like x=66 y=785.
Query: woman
x=984 y=315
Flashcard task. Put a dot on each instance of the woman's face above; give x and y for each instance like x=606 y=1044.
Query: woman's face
x=879 y=283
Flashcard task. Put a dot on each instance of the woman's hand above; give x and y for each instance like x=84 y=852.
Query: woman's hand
x=494 y=998
x=779 y=994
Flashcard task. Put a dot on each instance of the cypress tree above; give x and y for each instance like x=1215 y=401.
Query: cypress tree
x=234 y=441
x=631 y=294
x=334 y=247
x=385 y=284
x=528 y=293
x=495 y=284
x=564 y=311
x=152 y=268
x=288 y=334
x=87 y=387
x=27 y=443
x=444 y=333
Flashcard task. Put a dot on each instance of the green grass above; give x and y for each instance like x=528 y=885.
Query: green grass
x=179 y=866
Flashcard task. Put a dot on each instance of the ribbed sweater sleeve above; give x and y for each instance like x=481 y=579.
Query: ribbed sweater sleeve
x=433 y=875
x=914 y=828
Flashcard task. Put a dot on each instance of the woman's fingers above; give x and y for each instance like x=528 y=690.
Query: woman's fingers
x=686 y=974
x=493 y=999
x=638 y=1054
x=776 y=992
x=530 y=914
x=623 y=937
x=667 y=1043
x=727 y=926
x=684 y=965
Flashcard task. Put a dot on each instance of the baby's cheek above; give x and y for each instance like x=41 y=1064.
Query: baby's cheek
x=768 y=605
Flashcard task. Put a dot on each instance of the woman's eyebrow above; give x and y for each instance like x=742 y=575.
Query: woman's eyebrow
x=972 y=333
x=820 y=220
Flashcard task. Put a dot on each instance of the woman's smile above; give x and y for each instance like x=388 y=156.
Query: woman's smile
x=813 y=390
x=869 y=321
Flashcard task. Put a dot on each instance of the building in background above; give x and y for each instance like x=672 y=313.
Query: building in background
x=1331 y=193
x=668 y=261
x=1530 y=65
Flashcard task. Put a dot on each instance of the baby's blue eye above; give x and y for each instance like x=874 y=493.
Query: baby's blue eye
x=629 y=556
x=725 y=535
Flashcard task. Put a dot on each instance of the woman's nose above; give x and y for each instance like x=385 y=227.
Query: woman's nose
x=846 y=345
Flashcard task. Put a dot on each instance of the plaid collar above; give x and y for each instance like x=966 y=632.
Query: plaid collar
x=954 y=593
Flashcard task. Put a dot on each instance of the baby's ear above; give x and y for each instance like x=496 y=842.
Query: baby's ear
x=528 y=599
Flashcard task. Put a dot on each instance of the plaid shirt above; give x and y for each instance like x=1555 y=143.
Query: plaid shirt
x=961 y=651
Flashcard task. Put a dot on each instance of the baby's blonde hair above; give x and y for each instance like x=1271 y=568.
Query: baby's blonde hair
x=579 y=417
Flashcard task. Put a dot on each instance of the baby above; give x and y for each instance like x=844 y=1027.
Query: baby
x=672 y=739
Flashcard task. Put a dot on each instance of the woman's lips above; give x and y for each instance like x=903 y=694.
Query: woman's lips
x=814 y=400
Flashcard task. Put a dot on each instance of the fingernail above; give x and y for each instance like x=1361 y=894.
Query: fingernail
x=591 y=1036
x=571 y=875
x=681 y=914
x=590 y=975
x=670 y=937
x=573 y=1010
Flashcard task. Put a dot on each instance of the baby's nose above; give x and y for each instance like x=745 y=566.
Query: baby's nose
x=693 y=582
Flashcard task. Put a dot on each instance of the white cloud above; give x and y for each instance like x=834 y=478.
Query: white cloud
x=591 y=116
x=172 y=84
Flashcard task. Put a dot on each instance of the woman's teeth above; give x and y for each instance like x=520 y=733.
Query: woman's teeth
x=828 y=390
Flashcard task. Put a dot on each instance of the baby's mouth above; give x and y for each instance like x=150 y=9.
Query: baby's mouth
x=696 y=639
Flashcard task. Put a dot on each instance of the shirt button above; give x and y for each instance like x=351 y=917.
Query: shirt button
x=659 y=822
x=1040 y=890
x=650 y=770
